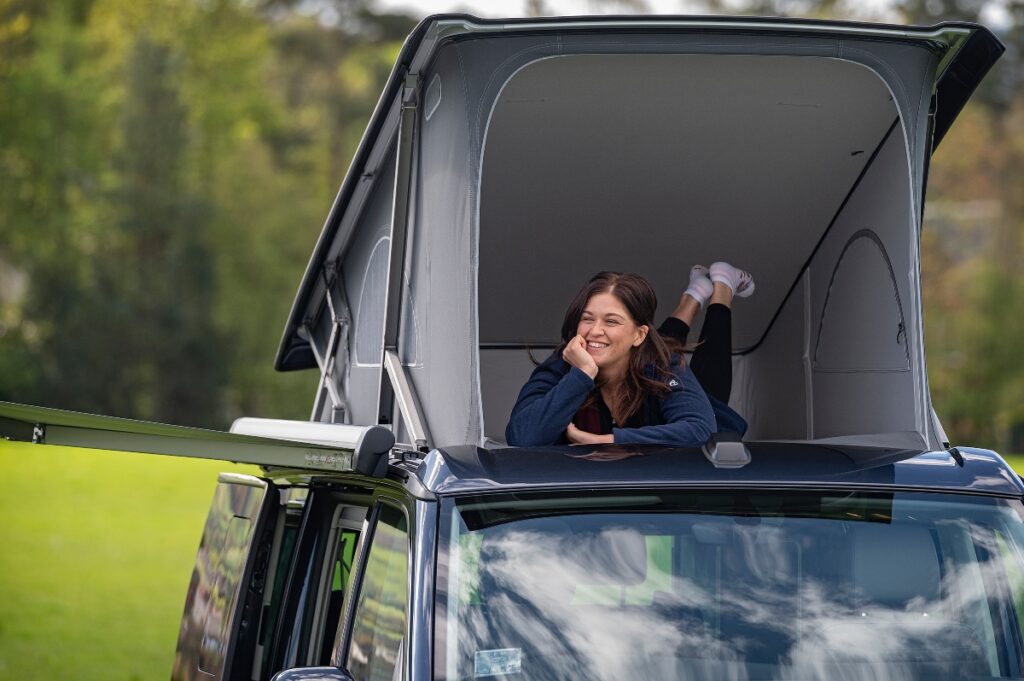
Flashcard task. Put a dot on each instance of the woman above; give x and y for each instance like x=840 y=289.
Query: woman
x=614 y=378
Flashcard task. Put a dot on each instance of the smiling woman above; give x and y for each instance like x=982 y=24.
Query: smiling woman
x=606 y=335
x=615 y=378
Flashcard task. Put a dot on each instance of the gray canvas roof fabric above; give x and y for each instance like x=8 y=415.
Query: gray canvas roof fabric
x=515 y=271
x=966 y=52
x=545 y=156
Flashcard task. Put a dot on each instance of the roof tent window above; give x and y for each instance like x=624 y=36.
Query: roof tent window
x=653 y=162
x=370 y=312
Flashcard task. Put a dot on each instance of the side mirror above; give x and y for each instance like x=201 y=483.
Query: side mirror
x=313 y=674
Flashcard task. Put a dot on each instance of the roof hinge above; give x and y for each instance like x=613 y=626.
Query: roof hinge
x=411 y=91
x=329 y=270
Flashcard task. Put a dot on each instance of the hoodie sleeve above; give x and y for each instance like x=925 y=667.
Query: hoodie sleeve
x=689 y=420
x=547 y=403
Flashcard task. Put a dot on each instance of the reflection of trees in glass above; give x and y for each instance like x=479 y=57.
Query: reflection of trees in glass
x=220 y=562
x=379 y=625
x=836 y=587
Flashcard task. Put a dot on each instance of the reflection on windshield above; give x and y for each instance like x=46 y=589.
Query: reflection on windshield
x=795 y=587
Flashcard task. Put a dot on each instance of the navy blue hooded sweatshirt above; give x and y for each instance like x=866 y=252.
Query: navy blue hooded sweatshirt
x=685 y=417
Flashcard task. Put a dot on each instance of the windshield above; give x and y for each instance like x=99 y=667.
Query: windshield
x=751 y=585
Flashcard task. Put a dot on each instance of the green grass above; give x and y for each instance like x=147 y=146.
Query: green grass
x=96 y=551
x=1015 y=460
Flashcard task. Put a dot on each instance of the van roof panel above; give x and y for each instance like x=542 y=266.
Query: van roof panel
x=469 y=469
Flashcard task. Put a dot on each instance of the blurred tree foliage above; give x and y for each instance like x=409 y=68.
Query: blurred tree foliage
x=165 y=169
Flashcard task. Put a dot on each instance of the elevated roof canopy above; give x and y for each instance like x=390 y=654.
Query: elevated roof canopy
x=965 y=52
x=508 y=161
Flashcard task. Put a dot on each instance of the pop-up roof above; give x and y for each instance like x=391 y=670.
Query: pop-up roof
x=528 y=155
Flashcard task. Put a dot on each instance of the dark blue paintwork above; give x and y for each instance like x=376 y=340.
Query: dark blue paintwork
x=470 y=469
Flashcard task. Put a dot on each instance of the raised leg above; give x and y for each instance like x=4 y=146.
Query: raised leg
x=711 y=362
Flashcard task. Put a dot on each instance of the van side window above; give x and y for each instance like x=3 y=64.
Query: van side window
x=316 y=556
x=341 y=571
x=378 y=627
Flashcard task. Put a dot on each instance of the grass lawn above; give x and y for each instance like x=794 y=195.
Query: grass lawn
x=1017 y=461
x=97 y=551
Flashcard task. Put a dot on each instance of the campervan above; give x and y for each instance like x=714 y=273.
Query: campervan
x=396 y=535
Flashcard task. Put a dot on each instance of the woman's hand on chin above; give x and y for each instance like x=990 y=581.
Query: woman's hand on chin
x=576 y=354
x=582 y=437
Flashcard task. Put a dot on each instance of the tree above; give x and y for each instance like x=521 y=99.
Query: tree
x=167 y=287
x=51 y=137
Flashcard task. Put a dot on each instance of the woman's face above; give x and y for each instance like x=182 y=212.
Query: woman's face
x=609 y=331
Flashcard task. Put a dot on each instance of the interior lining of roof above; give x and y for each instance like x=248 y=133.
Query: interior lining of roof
x=839 y=211
x=660 y=162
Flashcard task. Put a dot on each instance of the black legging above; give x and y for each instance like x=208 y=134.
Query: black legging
x=711 y=362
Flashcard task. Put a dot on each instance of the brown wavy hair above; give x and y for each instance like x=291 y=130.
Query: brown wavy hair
x=637 y=295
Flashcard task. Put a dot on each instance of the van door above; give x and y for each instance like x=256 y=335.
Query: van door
x=308 y=610
x=273 y=600
x=223 y=607
x=373 y=644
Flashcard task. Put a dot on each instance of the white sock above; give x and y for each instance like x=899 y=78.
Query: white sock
x=700 y=288
x=740 y=281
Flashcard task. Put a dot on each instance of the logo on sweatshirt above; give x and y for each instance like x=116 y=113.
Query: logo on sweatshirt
x=673 y=383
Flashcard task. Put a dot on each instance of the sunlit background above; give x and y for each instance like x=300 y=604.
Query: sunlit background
x=165 y=169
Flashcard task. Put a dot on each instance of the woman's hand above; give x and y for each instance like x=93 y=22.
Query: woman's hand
x=576 y=354
x=582 y=437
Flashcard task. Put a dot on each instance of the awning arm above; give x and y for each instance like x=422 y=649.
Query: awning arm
x=332 y=447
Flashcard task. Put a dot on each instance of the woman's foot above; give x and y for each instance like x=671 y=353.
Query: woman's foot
x=700 y=288
x=739 y=281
